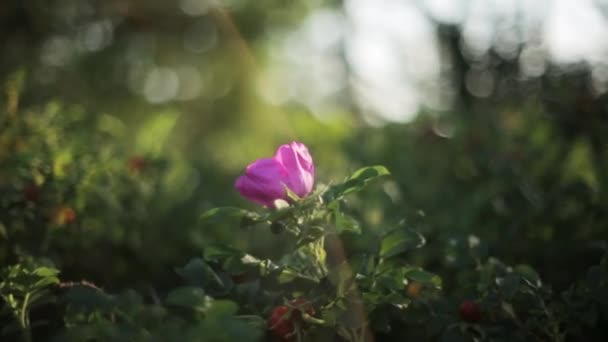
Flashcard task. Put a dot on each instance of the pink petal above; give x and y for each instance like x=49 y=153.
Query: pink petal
x=263 y=182
x=299 y=166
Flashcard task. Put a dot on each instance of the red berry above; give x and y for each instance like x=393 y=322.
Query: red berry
x=136 y=164
x=283 y=319
x=31 y=192
x=65 y=215
x=69 y=215
x=281 y=322
x=413 y=289
x=240 y=278
x=470 y=312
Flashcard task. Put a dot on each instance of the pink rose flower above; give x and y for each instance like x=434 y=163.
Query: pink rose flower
x=265 y=179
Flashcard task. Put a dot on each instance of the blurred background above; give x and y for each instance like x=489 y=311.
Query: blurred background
x=139 y=115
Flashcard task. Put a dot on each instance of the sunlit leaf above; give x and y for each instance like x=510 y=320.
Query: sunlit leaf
x=46 y=272
x=46 y=282
x=154 y=133
x=399 y=241
x=424 y=277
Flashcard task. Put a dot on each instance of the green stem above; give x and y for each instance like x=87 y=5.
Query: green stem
x=24 y=319
x=309 y=319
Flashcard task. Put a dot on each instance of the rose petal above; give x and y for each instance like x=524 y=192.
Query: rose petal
x=263 y=181
x=300 y=168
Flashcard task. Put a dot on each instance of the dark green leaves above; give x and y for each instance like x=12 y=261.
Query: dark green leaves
x=399 y=241
x=528 y=273
x=343 y=222
x=424 y=277
x=84 y=298
x=198 y=273
x=23 y=288
x=189 y=297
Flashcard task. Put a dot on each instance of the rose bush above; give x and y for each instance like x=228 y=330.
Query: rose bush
x=359 y=274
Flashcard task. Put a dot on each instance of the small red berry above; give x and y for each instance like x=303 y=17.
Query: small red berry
x=240 y=278
x=280 y=322
x=283 y=319
x=65 y=215
x=413 y=289
x=31 y=193
x=470 y=312
x=136 y=164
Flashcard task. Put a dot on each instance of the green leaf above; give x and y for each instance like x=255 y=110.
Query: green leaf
x=345 y=223
x=155 y=132
x=356 y=182
x=198 y=273
x=391 y=278
x=46 y=272
x=218 y=252
x=287 y=275
x=46 y=282
x=424 y=277
x=88 y=299
x=509 y=284
x=189 y=297
x=399 y=241
x=253 y=320
x=222 y=308
x=529 y=274
x=370 y=172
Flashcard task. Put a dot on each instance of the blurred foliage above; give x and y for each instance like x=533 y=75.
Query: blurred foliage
x=121 y=122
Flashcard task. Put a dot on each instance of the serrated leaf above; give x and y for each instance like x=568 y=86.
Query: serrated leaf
x=399 y=241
